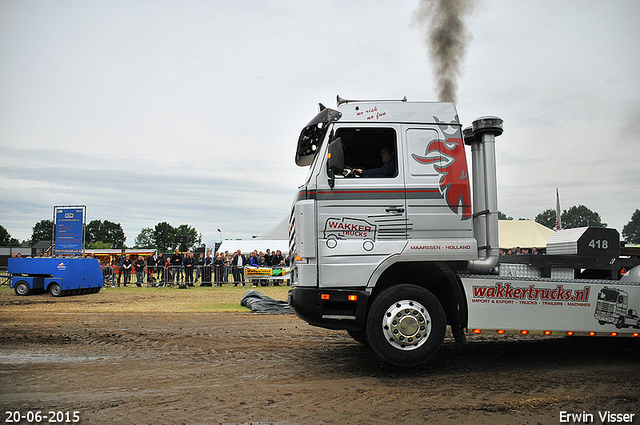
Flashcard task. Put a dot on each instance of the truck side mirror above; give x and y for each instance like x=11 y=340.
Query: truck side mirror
x=335 y=160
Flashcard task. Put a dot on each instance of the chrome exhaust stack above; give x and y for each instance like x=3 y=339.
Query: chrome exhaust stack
x=481 y=136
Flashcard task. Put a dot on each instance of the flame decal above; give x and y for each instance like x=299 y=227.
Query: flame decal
x=448 y=159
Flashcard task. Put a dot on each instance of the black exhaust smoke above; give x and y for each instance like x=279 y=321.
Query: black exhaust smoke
x=446 y=37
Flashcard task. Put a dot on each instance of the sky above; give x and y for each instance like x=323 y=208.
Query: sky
x=188 y=112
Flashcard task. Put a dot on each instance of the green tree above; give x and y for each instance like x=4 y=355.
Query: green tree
x=631 y=231
x=164 y=236
x=105 y=231
x=42 y=231
x=92 y=232
x=576 y=216
x=194 y=239
x=6 y=239
x=581 y=216
x=99 y=245
x=503 y=216
x=145 y=239
x=547 y=218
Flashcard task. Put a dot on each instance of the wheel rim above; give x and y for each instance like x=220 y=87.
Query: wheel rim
x=22 y=288
x=406 y=325
x=55 y=290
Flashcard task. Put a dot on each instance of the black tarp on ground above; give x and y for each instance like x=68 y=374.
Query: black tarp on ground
x=260 y=303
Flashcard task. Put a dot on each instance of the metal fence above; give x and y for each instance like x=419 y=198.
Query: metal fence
x=158 y=276
x=5 y=278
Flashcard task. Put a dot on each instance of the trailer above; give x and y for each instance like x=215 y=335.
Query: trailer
x=58 y=276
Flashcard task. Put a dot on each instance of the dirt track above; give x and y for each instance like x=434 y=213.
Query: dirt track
x=230 y=368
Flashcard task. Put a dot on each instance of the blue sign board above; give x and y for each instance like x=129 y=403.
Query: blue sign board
x=69 y=223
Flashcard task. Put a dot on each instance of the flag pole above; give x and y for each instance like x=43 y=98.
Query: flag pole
x=558 y=218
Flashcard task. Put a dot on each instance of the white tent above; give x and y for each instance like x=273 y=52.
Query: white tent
x=247 y=246
x=278 y=232
x=275 y=238
x=523 y=233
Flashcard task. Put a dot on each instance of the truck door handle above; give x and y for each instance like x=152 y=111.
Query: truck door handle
x=395 y=209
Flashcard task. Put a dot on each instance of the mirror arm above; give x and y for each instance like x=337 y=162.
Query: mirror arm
x=332 y=178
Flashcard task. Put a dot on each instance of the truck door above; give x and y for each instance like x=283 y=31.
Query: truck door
x=361 y=220
x=438 y=193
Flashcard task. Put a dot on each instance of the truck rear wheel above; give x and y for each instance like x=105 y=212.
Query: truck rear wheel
x=406 y=325
x=55 y=290
x=22 y=288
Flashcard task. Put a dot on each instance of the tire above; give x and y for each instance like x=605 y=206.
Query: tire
x=406 y=325
x=359 y=336
x=620 y=322
x=22 y=288
x=55 y=290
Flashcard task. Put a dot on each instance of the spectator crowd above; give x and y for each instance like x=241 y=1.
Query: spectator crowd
x=188 y=269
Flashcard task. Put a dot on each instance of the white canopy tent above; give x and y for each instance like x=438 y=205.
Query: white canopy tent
x=279 y=232
x=523 y=233
x=275 y=238
x=247 y=246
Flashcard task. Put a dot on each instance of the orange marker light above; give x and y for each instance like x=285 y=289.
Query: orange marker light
x=547 y=332
x=614 y=333
x=500 y=331
x=352 y=298
x=524 y=332
x=592 y=333
x=324 y=296
x=298 y=258
x=635 y=334
x=569 y=333
x=476 y=331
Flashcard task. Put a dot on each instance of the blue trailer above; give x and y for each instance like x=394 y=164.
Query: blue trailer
x=59 y=276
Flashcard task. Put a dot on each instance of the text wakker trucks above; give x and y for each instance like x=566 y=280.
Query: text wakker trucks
x=395 y=259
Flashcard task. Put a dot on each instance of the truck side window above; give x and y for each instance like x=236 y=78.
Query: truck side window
x=371 y=151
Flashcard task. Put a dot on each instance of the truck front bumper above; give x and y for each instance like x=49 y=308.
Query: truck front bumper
x=330 y=308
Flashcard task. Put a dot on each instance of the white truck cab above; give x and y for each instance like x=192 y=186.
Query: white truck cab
x=384 y=227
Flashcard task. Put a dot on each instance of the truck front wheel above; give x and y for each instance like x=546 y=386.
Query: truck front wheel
x=22 y=288
x=406 y=325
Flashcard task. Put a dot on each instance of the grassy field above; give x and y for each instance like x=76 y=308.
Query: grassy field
x=142 y=300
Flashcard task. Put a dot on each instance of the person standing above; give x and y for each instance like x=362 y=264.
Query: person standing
x=278 y=259
x=268 y=257
x=188 y=263
x=121 y=258
x=151 y=267
x=226 y=258
x=218 y=267
x=206 y=271
x=140 y=265
x=126 y=268
x=175 y=264
x=238 y=264
x=160 y=268
x=199 y=265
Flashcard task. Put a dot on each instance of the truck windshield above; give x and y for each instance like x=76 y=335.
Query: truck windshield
x=608 y=295
x=312 y=136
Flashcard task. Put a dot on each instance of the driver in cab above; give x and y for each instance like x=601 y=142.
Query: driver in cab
x=388 y=168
